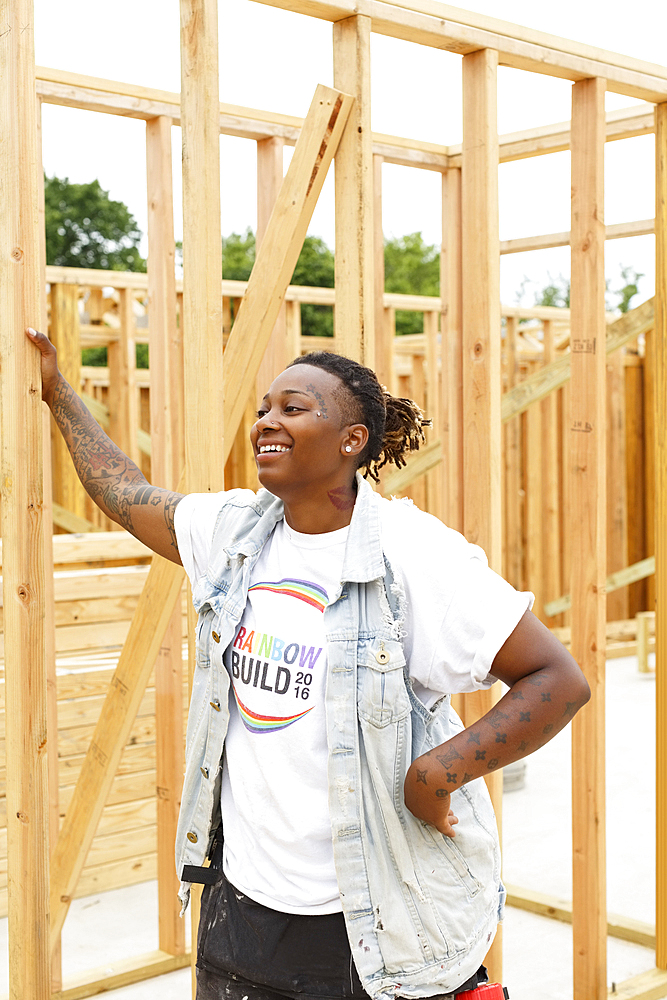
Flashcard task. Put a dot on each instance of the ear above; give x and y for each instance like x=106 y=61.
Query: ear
x=355 y=438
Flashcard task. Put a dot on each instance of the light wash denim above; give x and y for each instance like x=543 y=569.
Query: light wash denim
x=421 y=909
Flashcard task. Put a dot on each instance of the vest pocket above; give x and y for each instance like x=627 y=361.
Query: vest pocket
x=382 y=697
x=455 y=859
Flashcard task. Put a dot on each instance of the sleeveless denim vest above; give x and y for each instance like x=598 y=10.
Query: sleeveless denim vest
x=421 y=909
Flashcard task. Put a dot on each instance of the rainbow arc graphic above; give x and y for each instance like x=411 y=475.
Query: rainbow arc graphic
x=257 y=723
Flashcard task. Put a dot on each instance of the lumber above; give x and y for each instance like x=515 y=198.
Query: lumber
x=166 y=440
x=651 y=985
x=418 y=464
x=22 y=523
x=123 y=400
x=269 y=178
x=660 y=396
x=649 y=455
x=587 y=527
x=64 y=334
x=64 y=518
x=480 y=306
x=429 y=24
x=354 y=318
x=279 y=252
x=621 y=578
x=537 y=386
x=624 y=928
x=617 y=507
x=452 y=345
x=111 y=733
x=619 y=231
x=202 y=246
x=551 y=480
x=120 y=974
x=513 y=569
x=383 y=350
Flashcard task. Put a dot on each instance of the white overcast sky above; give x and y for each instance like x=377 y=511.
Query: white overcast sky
x=272 y=59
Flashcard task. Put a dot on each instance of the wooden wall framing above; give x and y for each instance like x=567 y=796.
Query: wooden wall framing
x=461 y=377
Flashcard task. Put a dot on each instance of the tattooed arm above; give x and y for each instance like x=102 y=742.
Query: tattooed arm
x=546 y=689
x=110 y=478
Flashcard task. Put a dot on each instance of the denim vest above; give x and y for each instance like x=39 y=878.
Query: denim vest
x=421 y=908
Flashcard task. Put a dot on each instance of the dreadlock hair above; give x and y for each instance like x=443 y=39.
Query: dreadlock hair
x=395 y=426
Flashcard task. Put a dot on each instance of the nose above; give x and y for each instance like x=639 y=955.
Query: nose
x=265 y=421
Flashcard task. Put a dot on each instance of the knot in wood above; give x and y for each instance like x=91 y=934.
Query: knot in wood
x=24 y=594
x=478 y=349
x=22 y=817
x=17 y=254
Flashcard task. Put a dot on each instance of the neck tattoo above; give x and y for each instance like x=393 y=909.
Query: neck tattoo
x=343 y=497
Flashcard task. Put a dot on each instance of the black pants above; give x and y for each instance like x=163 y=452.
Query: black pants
x=247 y=951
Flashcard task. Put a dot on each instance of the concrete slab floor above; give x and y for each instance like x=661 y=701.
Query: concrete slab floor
x=537 y=851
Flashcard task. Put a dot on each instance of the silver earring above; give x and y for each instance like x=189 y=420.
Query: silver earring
x=348 y=448
x=319 y=414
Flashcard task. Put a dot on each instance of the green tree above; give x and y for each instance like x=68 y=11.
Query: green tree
x=85 y=228
x=411 y=267
x=557 y=291
x=314 y=267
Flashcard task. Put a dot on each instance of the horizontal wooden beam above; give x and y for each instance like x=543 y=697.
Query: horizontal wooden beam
x=622 y=230
x=537 y=386
x=129 y=100
x=455 y=30
x=115 y=975
x=651 y=985
x=621 y=578
x=64 y=518
x=544 y=905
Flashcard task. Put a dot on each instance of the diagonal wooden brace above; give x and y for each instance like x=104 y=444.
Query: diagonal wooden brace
x=112 y=732
x=280 y=249
x=268 y=283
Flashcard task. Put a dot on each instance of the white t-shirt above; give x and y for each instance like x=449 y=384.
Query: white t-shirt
x=278 y=848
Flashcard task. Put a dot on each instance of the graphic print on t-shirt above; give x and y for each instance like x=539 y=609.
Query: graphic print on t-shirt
x=263 y=662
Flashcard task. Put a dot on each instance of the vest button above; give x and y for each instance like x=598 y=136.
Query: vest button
x=216 y=637
x=193 y=838
x=204 y=771
x=215 y=705
x=382 y=656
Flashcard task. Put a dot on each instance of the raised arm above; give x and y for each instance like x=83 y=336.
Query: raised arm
x=110 y=478
x=546 y=689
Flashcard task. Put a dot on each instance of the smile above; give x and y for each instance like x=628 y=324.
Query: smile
x=264 y=448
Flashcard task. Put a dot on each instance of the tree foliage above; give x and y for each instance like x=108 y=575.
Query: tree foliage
x=86 y=228
x=557 y=291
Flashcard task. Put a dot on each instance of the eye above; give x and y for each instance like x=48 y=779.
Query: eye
x=293 y=409
x=261 y=413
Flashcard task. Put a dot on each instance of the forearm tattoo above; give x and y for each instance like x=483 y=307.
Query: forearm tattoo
x=110 y=478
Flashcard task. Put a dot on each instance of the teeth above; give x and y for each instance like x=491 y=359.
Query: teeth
x=272 y=447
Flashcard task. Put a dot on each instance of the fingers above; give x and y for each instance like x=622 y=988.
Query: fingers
x=39 y=339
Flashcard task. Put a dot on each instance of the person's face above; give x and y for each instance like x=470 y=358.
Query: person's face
x=300 y=438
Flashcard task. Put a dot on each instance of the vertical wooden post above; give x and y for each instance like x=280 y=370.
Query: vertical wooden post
x=383 y=345
x=202 y=245
x=513 y=566
x=22 y=527
x=269 y=179
x=649 y=457
x=49 y=606
x=166 y=405
x=123 y=399
x=64 y=334
x=617 y=509
x=534 y=486
x=551 y=578
x=355 y=292
x=434 y=479
x=481 y=342
x=202 y=273
x=588 y=535
x=660 y=357
x=451 y=292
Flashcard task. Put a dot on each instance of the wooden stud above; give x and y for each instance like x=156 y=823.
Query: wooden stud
x=22 y=526
x=202 y=246
x=660 y=369
x=452 y=345
x=534 y=489
x=513 y=569
x=269 y=180
x=383 y=346
x=617 y=509
x=355 y=290
x=588 y=536
x=279 y=252
x=64 y=334
x=166 y=419
x=649 y=456
x=635 y=452
x=551 y=579
x=644 y=620
x=123 y=398
x=432 y=406
x=481 y=347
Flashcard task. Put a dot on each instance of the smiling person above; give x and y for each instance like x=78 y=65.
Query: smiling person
x=352 y=841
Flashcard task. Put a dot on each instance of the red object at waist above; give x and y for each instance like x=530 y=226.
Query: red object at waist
x=487 y=991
